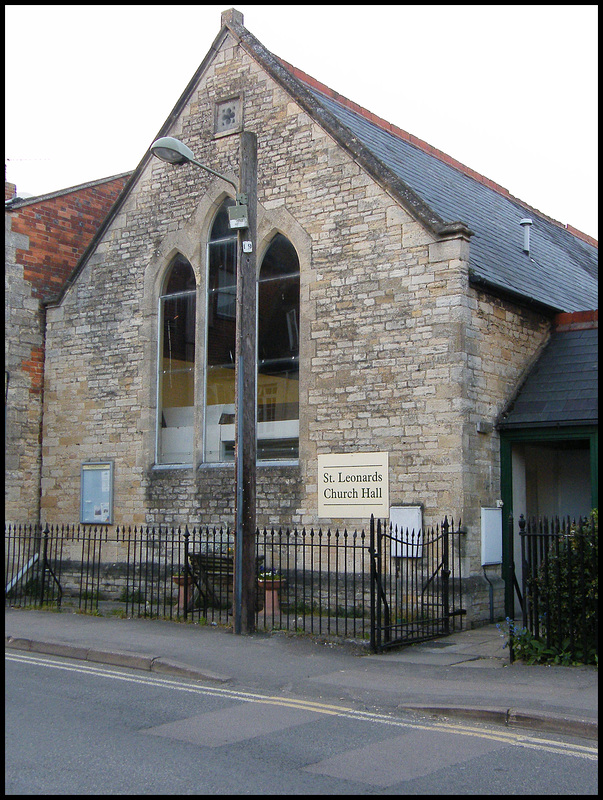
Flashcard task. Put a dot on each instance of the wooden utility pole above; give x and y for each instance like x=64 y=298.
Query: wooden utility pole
x=245 y=395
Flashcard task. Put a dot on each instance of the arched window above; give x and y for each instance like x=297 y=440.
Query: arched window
x=221 y=335
x=278 y=347
x=176 y=384
x=278 y=352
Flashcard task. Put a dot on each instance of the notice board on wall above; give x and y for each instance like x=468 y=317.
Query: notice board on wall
x=96 y=499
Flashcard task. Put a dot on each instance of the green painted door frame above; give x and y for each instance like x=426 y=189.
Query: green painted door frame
x=507 y=439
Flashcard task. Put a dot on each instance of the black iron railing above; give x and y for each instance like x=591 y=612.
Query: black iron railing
x=311 y=581
x=560 y=563
x=386 y=587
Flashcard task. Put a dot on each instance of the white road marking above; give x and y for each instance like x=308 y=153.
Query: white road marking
x=507 y=737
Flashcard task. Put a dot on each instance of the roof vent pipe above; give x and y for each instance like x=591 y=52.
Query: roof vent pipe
x=525 y=224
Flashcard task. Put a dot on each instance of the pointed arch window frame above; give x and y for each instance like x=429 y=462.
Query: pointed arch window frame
x=176 y=358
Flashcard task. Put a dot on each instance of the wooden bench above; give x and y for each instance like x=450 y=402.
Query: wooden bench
x=213 y=575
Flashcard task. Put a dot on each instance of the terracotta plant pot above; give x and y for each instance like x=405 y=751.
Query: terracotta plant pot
x=182 y=601
x=271 y=602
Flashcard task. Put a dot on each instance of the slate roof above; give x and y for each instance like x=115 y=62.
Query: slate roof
x=561 y=389
x=561 y=269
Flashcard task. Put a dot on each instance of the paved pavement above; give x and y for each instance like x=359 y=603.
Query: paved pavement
x=466 y=675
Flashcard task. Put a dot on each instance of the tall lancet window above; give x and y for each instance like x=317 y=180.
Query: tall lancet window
x=278 y=352
x=221 y=336
x=176 y=384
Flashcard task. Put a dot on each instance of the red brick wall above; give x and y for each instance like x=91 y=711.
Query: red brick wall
x=34 y=366
x=59 y=230
x=577 y=320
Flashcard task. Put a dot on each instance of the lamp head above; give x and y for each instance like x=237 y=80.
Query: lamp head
x=172 y=150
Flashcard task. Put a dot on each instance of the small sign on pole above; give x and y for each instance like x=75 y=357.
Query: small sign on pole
x=353 y=485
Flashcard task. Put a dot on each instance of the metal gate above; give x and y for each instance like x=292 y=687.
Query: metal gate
x=416 y=591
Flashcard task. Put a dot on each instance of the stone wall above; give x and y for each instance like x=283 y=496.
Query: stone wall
x=23 y=338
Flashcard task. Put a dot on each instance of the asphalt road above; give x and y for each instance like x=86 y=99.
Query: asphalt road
x=74 y=728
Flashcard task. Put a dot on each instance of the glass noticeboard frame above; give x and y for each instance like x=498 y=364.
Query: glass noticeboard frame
x=96 y=494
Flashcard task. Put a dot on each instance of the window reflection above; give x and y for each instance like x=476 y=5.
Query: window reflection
x=221 y=333
x=177 y=365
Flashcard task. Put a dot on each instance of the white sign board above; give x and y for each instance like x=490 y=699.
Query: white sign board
x=353 y=485
x=407 y=531
x=491 y=536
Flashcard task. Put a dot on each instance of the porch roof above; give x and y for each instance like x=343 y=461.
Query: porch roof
x=561 y=389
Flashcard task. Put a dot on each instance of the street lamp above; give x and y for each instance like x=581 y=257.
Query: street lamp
x=243 y=218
